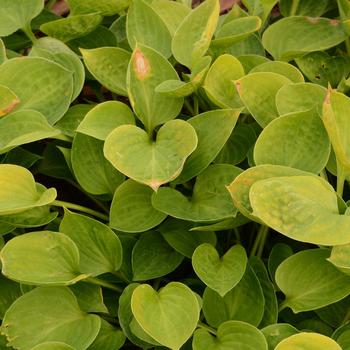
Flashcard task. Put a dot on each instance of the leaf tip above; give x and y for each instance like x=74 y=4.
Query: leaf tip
x=155 y=185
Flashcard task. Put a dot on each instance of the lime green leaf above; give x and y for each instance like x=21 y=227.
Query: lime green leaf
x=42 y=257
x=169 y=316
x=8 y=100
x=153 y=163
x=108 y=338
x=109 y=66
x=49 y=314
x=340 y=257
x=131 y=209
x=275 y=333
x=104 y=7
x=52 y=345
x=303 y=8
x=260 y=8
x=250 y=61
x=3 y=54
x=189 y=45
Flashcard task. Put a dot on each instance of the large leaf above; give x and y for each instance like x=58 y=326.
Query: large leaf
x=8 y=101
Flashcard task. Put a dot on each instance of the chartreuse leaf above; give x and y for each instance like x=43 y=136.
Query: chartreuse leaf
x=49 y=314
x=278 y=145
x=40 y=84
x=230 y=335
x=52 y=345
x=93 y=172
x=219 y=273
x=17 y=14
x=209 y=202
x=99 y=247
x=3 y=55
x=313 y=279
x=8 y=100
x=303 y=8
x=261 y=8
x=144 y=26
x=109 y=66
x=104 y=7
x=153 y=163
x=147 y=69
x=293 y=36
x=308 y=341
x=153 y=257
x=219 y=82
x=72 y=27
x=304 y=208
x=189 y=45
x=24 y=126
x=104 y=118
x=258 y=91
x=169 y=316
x=340 y=258
x=108 y=338
x=275 y=333
x=18 y=191
x=42 y=257
x=131 y=209
x=213 y=129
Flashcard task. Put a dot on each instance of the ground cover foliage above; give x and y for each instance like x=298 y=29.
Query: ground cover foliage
x=173 y=177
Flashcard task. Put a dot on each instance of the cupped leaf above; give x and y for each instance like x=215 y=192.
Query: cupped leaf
x=307 y=279
x=53 y=345
x=209 y=202
x=189 y=45
x=109 y=66
x=104 y=7
x=153 y=163
x=275 y=333
x=42 y=257
x=147 y=69
x=8 y=100
x=169 y=316
x=131 y=209
x=48 y=314
x=40 y=84
x=293 y=36
x=219 y=273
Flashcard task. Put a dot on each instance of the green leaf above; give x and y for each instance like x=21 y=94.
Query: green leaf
x=42 y=257
x=19 y=192
x=189 y=45
x=209 y=202
x=219 y=273
x=250 y=61
x=108 y=338
x=169 y=316
x=99 y=247
x=340 y=258
x=308 y=341
x=104 y=118
x=10 y=291
x=258 y=91
x=153 y=163
x=275 y=333
x=293 y=36
x=8 y=102
x=3 y=54
x=303 y=8
x=147 y=69
x=104 y=7
x=145 y=27
x=307 y=279
x=342 y=336
x=40 y=84
x=153 y=257
x=131 y=208
x=49 y=314
x=72 y=27
x=230 y=335
x=109 y=66
x=52 y=345
x=16 y=14
x=279 y=252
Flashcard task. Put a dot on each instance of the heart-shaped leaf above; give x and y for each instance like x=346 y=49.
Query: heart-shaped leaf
x=153 y=163
x=169 y=316
x=8 y=100
x=220 y=274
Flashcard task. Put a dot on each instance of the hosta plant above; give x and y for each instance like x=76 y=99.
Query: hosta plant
x=174 y=175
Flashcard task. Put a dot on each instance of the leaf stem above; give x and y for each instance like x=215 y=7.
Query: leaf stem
x=258 y=238
x=282 y=306
x=264 y=233
x=189 y=107
x=207 y=328
x=294 y=7
x=28 y=32
x=195 y=105
x=103 y=283
x=73 y=206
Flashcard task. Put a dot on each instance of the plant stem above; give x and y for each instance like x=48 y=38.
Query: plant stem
x=207 y=328
x=28 y=32
x=105 y=284
x=195 y=105
x=73 y=206
x=189 y=107
x=294 y=7
x=264 y=233
x=340 y=180
x=258 y=238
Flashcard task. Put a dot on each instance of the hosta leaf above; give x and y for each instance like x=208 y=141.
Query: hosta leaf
x=108 y=338
x=278 y=254
x=49 y=314
x=18 y=191
x=340 y=258
x=109 y=66
x=53 y=345
x=189 y=45
x=99 y=247
x=153 y=163
x=258 y=91
x=42 y=257
x=8 y=100
x=169 y=316
x=147 y=69
x=145 y=27
x=219 y=273
x=275 y=333
x=290 y=37
x=104 y=7
x=131 y=209
x=210 y=200
x=278 y=145
x=307 y=279
x=40 y=84
x=17 y=14
x=230 y=335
